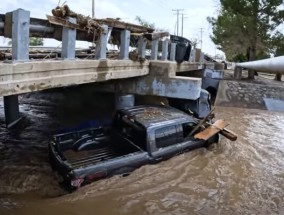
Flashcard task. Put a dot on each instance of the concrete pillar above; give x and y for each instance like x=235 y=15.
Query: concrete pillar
x=173 y=52
x=165 y=50
x=68 y=41
x=154 y=49
x=124 y=101
x=201 y=57
x=142 y=42
x=124 y=45
x=101 y=45
x=192 y=55
x=20 y=51
x=238 y=73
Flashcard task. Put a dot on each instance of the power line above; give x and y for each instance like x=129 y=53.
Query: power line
x=177 y=13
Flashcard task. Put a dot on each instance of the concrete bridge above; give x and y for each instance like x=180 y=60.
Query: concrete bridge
x=144 y=77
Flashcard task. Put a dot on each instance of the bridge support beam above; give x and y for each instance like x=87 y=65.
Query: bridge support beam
x=173 y=52
x=154 y=49
x=20 y=52
x=142 y=47
x=68 y=41
x=161 y=81
x=165 y=49
x=101 y=45
x=124 y=45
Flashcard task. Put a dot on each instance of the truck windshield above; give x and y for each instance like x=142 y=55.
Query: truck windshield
x=130 y=130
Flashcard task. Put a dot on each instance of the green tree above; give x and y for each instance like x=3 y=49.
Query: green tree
x=144 y=23
x=34 y=41
x=245 y=27
x=277 y=49
x=147 y=24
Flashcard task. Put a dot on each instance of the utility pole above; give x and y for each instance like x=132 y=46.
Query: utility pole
x=93 y=9
x=182 y=18
x=201 y=32
x=177 y=13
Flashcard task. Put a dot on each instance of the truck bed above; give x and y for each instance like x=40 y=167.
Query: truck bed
x=100 y=147
x=92 y=156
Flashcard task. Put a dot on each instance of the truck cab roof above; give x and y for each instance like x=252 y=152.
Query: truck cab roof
x=152 y=115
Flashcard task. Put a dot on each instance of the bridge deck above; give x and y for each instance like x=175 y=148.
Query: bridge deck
x=23 y=77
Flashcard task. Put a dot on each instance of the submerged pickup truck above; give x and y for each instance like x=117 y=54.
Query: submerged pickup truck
x=139 y=135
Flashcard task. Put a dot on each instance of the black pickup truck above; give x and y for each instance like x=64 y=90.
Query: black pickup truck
x=139 y=135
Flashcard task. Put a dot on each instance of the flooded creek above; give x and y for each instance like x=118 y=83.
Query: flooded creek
x=242 y=177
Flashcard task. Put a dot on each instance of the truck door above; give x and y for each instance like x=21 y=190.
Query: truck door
x=165 y=141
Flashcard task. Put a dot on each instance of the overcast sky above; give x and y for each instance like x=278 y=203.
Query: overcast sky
x=155 y=11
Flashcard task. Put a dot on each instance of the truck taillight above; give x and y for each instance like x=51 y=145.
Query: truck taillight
x=77 y=182
x=97 y=175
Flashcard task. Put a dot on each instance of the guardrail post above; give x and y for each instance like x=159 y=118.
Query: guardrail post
x=68 y=41
x=193 y=55
x=201 y=59
x=165 y=49
x=173 y=52
x=154 y=49
x=101 y=44
x=124 y=45
x=20 y=51
x=238 y=73
x=142 y=47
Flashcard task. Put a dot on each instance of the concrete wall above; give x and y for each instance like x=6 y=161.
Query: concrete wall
x=246 y=95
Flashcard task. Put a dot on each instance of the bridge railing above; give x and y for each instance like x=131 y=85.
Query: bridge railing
x=19 y=26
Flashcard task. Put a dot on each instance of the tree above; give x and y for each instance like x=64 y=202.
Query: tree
x=147 y=24
x=245 y=27
x=34 y=41
x=144 y=23
x=277 y=49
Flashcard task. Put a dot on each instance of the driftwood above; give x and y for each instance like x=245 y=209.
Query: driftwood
x=60 y=14
x=84 y=22
x=153 y=36
x=116 y=23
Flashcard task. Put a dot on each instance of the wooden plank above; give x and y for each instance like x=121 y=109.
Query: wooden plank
x=62 y=22
x=109 y=22
x=211 y=130
x=115 y=23
x=152 y=36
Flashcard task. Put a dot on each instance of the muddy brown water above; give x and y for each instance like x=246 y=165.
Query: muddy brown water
x=242 y=177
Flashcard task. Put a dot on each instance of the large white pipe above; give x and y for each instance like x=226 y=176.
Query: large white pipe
x=270 y=65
